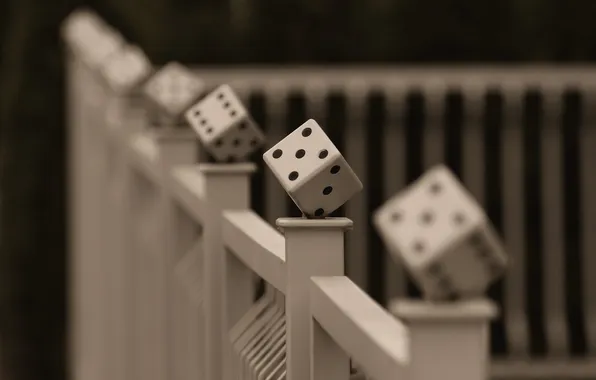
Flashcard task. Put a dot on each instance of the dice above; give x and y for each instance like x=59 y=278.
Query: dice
x=312 y=171
x=224 y=127
x=172 y=90
x=442 y=236
x=127 y=70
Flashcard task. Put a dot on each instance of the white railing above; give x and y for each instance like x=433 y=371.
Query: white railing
x=164 y=250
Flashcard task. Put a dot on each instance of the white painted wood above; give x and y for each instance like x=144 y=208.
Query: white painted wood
x=448 y=340
x=544 y=369
x=96 y=222
x=176 y=147
x=515 y=313
x=313 y=248
x=258 y=245
x=378 y=342
x=227 y=187
x=144 y=155
x=187 y=186
x=552 y=232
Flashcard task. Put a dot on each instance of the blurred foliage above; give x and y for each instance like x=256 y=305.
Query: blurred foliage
x=33 y=261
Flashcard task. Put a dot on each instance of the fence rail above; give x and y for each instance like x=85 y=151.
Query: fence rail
x=165 y=251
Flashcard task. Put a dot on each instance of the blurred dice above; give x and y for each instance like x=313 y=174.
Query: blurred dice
x=127 y=70
x=91 y=38
x=442 y=236
x=170 y=92
x=312 y=171
x=224 y=126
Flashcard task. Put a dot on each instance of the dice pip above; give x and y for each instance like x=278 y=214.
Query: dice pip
x=442 y=236
x=224 y=126
x=127 y=70
x=312 y=171
x=171 y=91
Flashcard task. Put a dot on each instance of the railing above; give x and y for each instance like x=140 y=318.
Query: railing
x=165 y=251
x=523 y=141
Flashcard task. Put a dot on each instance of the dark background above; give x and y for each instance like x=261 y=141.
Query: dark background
x=33 y=286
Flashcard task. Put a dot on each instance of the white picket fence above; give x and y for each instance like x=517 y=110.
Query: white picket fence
x=165 y=250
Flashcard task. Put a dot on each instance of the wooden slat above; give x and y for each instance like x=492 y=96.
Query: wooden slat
x=473 y=141
x=552 y=234
x=588 y=202
x=394 y=179
x=276 y=97
x=544 y=369
x=356 y=208
x=377 y=341
x=515 y=313
x=433 y=140
x=187 y=187
x=256 y=244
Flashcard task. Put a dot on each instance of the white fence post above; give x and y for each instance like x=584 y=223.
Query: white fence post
x=450 y=340
x=176 y=147
x=227 y=187
x=313 y=248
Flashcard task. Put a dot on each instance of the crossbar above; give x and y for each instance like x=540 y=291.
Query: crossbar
x=257 y=244
x=362 y=328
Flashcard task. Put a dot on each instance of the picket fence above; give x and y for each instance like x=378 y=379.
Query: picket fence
x=165 y=250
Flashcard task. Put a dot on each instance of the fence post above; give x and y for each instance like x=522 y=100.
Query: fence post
x=177 y=146
x=450 y=340
x=227 y=186
x=313 y=248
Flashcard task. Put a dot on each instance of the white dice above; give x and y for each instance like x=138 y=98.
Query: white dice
x=312 y=171
x=127 y=70
x=173 y=89
x=442 y=236
x=224 y=127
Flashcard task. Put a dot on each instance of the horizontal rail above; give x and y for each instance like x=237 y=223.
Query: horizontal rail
x=257 y=244
x=387 y=77
x=187 y=188
x=537 y=369
x=377 y=341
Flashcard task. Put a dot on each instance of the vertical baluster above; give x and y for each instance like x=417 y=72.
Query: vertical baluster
x=276 y=97
x=552 y=207
x=516 y=322
x=588 y=202
x=435 y=104
x=356 y=208
x=394 y=181
x=473 y=141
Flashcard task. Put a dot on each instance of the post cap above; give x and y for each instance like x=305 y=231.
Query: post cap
x=227 y=169
x=467 y=310
x=325 y=223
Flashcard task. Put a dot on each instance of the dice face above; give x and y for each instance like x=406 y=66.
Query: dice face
x=238 y=142
x=312 y=171
x=224 y=127
x=441 y=235
x=173 y=89
x=127 y=70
